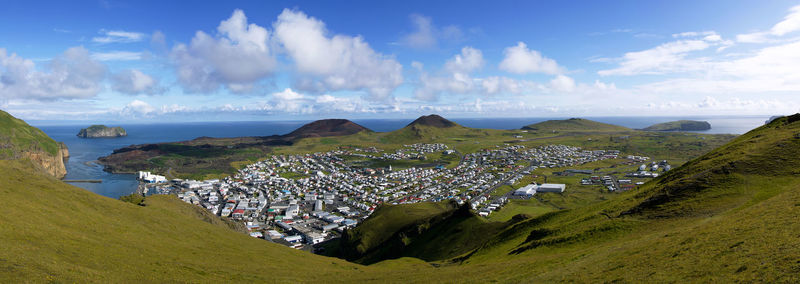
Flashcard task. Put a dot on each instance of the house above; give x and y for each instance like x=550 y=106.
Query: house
x=293 y=239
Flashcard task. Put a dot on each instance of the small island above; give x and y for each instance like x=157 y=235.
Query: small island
x=680 y=125
x=102 y=131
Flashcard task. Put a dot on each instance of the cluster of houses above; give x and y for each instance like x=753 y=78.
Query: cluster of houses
x=305 y=199
x=417 y=151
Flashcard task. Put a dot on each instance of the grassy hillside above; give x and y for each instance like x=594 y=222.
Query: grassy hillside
x=417 y=230
x=727 y=216
x=57 y=232
x=706 y=221
x=19 y=140
x=574 y=125
x=17 y=136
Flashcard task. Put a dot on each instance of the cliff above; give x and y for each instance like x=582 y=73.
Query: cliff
x=18 y=140
x=102 y=131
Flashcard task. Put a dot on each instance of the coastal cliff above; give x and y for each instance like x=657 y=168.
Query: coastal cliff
x=18 y=140
x=102 y=131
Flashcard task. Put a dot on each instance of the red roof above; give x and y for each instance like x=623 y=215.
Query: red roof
x=239 y=211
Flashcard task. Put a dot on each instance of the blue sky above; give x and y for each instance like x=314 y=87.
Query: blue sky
x=273 y=60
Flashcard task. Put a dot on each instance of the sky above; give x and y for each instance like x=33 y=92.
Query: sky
x=175 y=61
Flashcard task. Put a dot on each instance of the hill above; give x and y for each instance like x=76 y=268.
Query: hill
x=205 y=156
x=102 y=131
x=432 y=120
x=416 y=230
x=680 y=125
x=431 y=128
x=574 y=125
x=19 y=140
x=727 y=216
x=326 y=128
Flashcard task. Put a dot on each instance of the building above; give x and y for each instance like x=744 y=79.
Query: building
x=552 y=187
x=528 y=190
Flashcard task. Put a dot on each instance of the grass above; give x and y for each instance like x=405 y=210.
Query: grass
x=18 y=136
x=728 y=216
x=531 y=207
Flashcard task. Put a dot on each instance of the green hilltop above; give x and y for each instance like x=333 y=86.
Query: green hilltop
x=729 y=215
x=574 y=125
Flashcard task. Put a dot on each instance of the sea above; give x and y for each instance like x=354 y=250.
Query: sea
x=84 y=152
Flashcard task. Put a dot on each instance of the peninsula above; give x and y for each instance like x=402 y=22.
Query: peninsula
x=680 y=125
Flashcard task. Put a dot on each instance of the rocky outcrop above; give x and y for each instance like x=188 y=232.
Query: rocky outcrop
x=53 y=165
x=102 y=131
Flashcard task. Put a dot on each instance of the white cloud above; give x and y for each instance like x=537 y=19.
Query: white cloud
x=237 y=57
x=455 y=78
x=71 y=75
x=132 y=82
x=669 y=57
x=495 y=84
x=137 y=108
x=790 y=24
x=287 y=95
x=520 y=60
x=563 y=83
x=427 y=35
x=117 y=56
x=770 y=69
x=423 y=36
x=117 y=36
x=469 y=60
x=337 y=62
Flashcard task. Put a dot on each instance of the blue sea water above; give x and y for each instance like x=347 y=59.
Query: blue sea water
x=84 y=151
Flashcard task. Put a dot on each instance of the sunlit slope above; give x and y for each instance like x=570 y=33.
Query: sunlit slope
x=51 y=230
x=729 y=215
x=429 y=231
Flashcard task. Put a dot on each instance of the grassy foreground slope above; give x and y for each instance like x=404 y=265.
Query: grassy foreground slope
x=727 y=215
x=54 y=231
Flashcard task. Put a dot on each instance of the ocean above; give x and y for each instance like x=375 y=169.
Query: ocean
x=83 y=152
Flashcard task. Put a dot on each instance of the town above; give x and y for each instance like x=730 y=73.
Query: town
x=302 y=200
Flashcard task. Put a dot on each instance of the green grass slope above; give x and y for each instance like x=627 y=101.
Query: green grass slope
x=428 y=231
x=724 y=216
x=52 y=231
x=17 y=136
x=574 y=125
